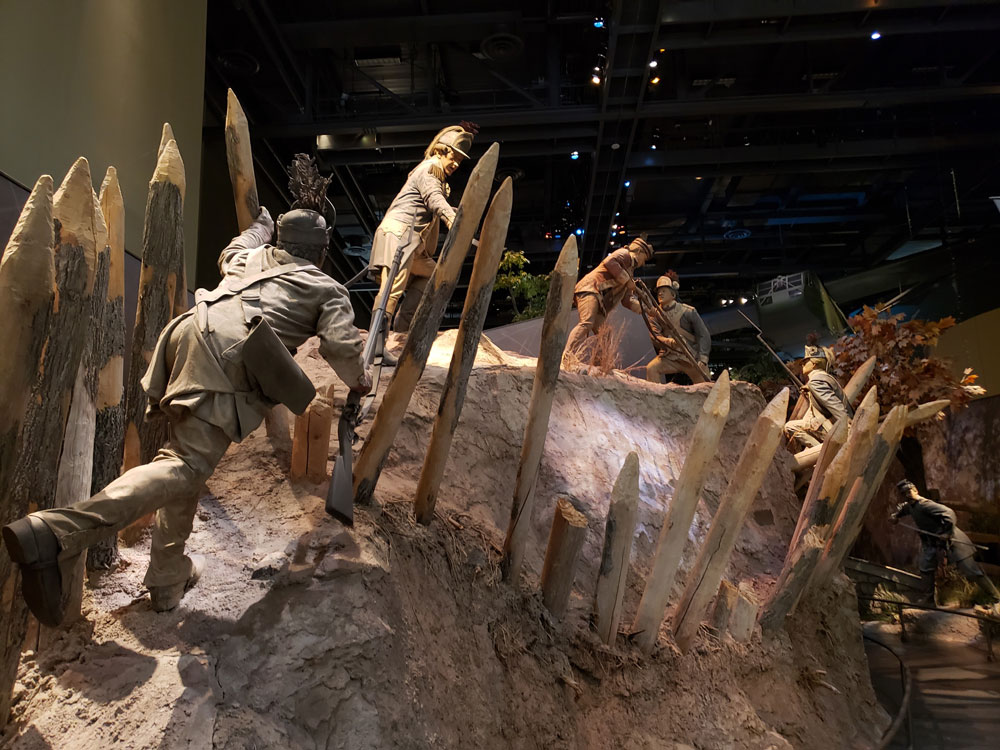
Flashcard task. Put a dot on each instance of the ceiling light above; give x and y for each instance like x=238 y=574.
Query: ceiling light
x=654 y=80
x=662 y=50
x=653 y=63
x=628 y=183
x=595 y=79
x=743 y=300
x=876 y=34
x=579 y=232
x=697 y=178
x=598 y=23
x=575 y=155
x=653 y=147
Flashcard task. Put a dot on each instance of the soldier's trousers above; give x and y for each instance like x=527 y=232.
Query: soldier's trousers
x=396 y=292
x=803 y=430
x=664 y=364
x=170 y=484
x=966 y=565
x=592 y=316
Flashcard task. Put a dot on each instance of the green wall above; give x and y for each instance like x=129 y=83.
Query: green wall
x=98 y=78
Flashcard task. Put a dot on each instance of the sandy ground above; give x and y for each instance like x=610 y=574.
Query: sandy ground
x=304 y=634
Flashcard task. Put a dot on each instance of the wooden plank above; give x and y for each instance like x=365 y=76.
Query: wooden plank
x=744 y=616
x=477 y=304
x=569 y=529
x=725 y=601
x=159 y=279
x=423 y=330
x=674 y=534
x=703 y=581
x=320 y=420
x=555 y=329
x=619 y=530
x=300 y=446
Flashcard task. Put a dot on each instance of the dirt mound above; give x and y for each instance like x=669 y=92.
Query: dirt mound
x=303 y=634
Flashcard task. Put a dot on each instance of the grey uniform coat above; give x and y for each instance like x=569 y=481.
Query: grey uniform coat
x=691 y=326
x=202 y=370
x=936 y=518
x=419 y=205
x=826 y=398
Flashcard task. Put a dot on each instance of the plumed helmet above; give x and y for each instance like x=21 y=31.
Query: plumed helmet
x=639 y=245
x=303 y=226
x=455 y=137
x=669 y=279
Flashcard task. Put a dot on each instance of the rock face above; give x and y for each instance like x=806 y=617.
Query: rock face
x=303 y=634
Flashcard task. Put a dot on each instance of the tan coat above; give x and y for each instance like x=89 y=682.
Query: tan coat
x=203 y=371
x=609 y=280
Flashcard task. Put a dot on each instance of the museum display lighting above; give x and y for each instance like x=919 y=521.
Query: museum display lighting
x=595 y=79
x=653 y=63
x=654 y=80
x=598 y=23
x=628 y=183
x=743 y=300
x=876 y=34
x=579 y=232
x=574 y=155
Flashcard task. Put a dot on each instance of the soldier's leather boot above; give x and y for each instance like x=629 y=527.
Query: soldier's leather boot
x=165 y=598
x=32 y=545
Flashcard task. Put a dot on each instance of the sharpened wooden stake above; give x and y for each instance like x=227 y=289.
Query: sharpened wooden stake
x=477 y=303
x=33 y=485
x=555 y=330
x=618 y=532
x=569 y=529
x=239 y=155
x=27 y=290
x=159 y=280
x=311 y=443
x=424 y=327
x=794 y=578
x=674 y=533
x=744 y=614
x=856 y=385
x=703 y=581
x=166 y=135
x=110 y=427
x=829 y=449
x=725 y=602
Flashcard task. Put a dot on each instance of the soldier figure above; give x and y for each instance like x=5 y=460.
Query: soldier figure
x=412 y=221
x=686 y=319
x=215 y=372
x=827 y=401
x=941 y=534
x=599 y=291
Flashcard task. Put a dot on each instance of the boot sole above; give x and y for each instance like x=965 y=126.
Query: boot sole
x=34 y=548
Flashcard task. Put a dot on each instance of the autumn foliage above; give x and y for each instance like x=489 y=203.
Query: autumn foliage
x=906 y=372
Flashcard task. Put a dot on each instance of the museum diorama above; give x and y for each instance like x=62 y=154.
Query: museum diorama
x=578 y=374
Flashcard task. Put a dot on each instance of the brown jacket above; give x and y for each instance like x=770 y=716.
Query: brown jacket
x=610 y=279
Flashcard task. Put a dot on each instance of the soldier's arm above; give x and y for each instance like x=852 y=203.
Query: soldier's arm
x=430 y=183
x=702 y=337
x=257 y=234
x=903 y=509
x=826 y=396
x=339 y=339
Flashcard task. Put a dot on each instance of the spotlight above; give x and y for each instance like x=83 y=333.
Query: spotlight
x=876 y=34
x=662 y=50
x=558 y=236
x=743 y=300
x=598 y=23
x=575 y=155
x=697 y=178
x=628 y=183
x=596 y=80
x=579 y=232
x=653 y=63
x=654 y=80
x=653 y=147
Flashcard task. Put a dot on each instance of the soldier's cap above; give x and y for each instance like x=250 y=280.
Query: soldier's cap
x=818 y=352
x=905 y=485
x=303 y=226
x=455 y=137
x=668 y=280
x=639 y=245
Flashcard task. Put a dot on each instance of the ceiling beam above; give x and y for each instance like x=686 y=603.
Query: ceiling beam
x=708 y=11
x=372 y=32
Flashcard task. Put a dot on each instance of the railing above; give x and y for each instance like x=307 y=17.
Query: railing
x=906 y=681
x=900 y=606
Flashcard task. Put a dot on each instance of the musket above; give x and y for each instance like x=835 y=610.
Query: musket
x=340 y=495
x=649 y=306
x=938 y=536
x=760 y=338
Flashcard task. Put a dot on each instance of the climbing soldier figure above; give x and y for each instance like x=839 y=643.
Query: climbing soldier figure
x=939 y=533
x=215 y=372
x=827 y=401
x=597 y=293
x=697 y=339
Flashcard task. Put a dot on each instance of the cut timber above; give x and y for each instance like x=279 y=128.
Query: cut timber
x=856 y=385
x=676 y=525
x=159 y=279
x=110 y=355
x=828 y=451
x=477 y=304
x=725 y=602
x=851 y=518
x=240 y=158
x=744 y=614
x=555 y=329
x=300 y=446
x=277 y=426
x=860 y=441
x=33 y=485
x=714 y=555
x=569 y=529
x=424 y=328
x=320 y=418
x=618 y=531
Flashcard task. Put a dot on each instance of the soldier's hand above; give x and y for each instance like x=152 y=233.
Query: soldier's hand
x=364 y=384
x=634 y=306
x=893 y=519
x=264 y=217
x=669 y=342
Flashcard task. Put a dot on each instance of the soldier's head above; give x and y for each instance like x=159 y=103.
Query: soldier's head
x=817 y=357
x=451 y=147
x=907 y=490
x=304 y=233
x=667 y=287
x=641 y=250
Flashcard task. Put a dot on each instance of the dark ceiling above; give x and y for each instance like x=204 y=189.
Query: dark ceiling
x=772 y=136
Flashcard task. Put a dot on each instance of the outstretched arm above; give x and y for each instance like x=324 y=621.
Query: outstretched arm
x=431 y=187
x=257 y=234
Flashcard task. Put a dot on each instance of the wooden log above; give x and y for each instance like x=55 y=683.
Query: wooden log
x=477 y=304
x=320 y=421
x=725 y=602
x=110 y=354
x=856 y=385
x=673 y=535
x=736 y=501
x=793 y=580
x=424 y=327
x=159 y=277
x=569 y=529
x=240 y=159
x=744 y=615
x=851 y=518
x=33 y=485
x=555 y=330
x=829 y=449
x=618 y=532
x=860 y=441
x=300 y=446
x=801 y=406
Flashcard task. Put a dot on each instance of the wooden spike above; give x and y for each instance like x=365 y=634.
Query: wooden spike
x=240 y=158
x=555 y=330
x=829 y=449
x=673 y=535
x=860 y=440
x=569 y=529
x=703 y=581
x=166 y=135
x=73 y=209
x=618 y=532
x=859 y=380
x=159 y=278
x=424 y=328
x=793 y=580
x=477 y=303
x=926 y=411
